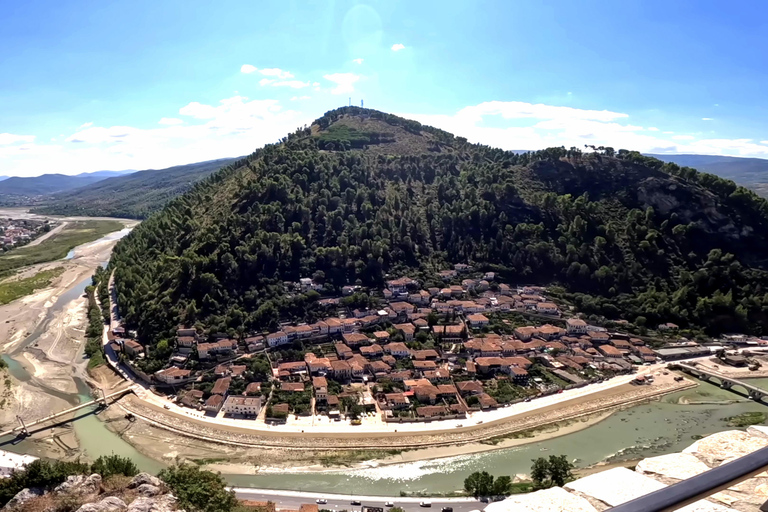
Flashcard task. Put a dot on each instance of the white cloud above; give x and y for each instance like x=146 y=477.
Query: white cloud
x=248 y=69
x=170 y=121
x=10 y=138
x=652 y=129
x=299 y=98
x=345 y=82
x=707 y=119
x=235 y=126
x=198 y=110
x=397 y=47
x=357 y=61
x=276 y=72
x=537 y=126
x=265 y=81
x=523 y=110
x=293 y=84
x=86 y=125
x=97 y=134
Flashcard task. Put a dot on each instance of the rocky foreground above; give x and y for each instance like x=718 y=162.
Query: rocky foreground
x=600 y=491
x=83 y=493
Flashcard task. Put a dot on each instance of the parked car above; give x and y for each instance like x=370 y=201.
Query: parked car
x=425 y=504
x=389 y=504
x=446 y=509
x=321 y=501
x=355 y=502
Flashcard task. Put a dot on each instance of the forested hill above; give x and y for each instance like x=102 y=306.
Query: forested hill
x=134 y=196
x=360 y=194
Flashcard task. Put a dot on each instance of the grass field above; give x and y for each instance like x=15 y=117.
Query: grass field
x=54 y=248
x=12 y=290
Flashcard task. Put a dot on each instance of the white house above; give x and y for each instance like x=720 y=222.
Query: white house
x=242 y=405
x=547 y=308
x=276 y=339
x=576 y=326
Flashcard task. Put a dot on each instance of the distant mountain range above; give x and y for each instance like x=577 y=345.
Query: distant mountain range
x=749 y=172
x=134 y=195
x=36 y=186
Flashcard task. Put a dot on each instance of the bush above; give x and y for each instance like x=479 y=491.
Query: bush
x=198 y=490
x=110 y=465
x=42 y=474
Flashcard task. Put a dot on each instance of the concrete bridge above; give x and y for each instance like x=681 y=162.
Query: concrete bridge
x=724 y=381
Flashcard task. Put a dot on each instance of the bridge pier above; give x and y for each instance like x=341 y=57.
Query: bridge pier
x=24 y=432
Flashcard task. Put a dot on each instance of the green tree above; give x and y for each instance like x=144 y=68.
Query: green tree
x=560 y=470
x=555 y=471
x=502 y=486
x=540 y=472
x=198 y=490
x=479 y=483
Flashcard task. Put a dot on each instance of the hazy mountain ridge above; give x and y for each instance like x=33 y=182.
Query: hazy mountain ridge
x=135 y=195
x=749 y=172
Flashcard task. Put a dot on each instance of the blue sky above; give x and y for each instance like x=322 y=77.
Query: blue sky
x=86 y=86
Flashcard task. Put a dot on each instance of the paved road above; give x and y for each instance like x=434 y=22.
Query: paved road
x=48 y=235
x=292 y=500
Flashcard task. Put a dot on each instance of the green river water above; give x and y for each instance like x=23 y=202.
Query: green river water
x=645 y=430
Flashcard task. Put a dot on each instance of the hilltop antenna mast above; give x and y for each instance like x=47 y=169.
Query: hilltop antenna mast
x=350 y=101
x=361 y=103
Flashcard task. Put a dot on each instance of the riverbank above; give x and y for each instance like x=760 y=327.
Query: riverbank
x=164 y=436
x=42 y=340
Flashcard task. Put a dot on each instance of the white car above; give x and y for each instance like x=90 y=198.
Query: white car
x=321 y=501
x=425 y=504
x=389 y=504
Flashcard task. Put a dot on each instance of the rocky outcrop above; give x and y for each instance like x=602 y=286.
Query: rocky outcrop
x=148 y=490
x=109 y=504
x=671 y=468
x=144 y=478
x=80 y=485
x=144 y=493
x=715 y=449
x=166 y=503
x=22 y=497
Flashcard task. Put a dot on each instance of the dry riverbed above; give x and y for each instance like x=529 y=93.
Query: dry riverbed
x=55 y=358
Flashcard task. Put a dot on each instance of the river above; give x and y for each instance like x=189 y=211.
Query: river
x=646 y=430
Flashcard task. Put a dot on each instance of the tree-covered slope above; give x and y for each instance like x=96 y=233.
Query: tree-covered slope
x=133 y=196
x=361 y=194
